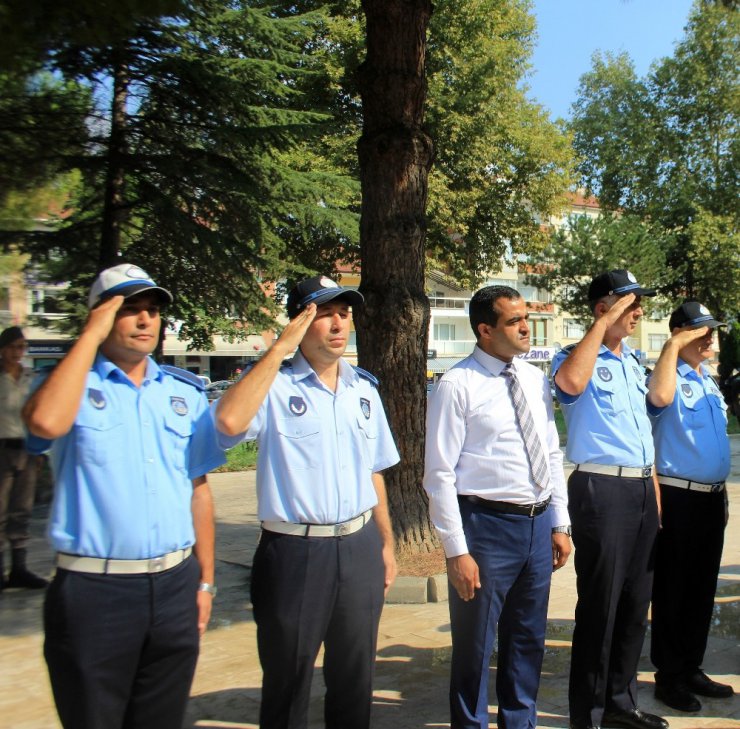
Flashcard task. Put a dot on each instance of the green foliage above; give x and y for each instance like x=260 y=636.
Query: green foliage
x=666 y=148
x=499 y=162
x=240 y=458
x=586 y=247
x=213 y=197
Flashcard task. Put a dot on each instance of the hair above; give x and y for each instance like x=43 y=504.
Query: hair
x=608 y=299
x=482 y=309
x=10 y=335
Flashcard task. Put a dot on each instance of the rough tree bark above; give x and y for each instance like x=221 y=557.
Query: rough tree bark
x=395 y=157
x=113 y=203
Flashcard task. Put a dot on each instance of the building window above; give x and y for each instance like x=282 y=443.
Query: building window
x=538 y=332
x=43 y=301
x=572 y=329
x=656 y=341
x=444 y=332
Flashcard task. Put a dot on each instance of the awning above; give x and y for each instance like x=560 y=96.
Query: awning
x=442 y=364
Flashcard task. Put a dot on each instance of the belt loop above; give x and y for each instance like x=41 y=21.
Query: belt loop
x=531 y=511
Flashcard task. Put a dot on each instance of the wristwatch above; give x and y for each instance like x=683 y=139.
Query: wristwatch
x=208 y=587
x=561 y=530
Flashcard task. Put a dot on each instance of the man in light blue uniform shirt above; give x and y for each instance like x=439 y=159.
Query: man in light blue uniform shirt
x=132 y=517
x=693 y=461
x=612 y=500
x=326 y=553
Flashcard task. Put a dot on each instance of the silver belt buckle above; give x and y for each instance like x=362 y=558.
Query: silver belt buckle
x=156 y=564
x=343 y=529
x=647 y=472
x=717 y=487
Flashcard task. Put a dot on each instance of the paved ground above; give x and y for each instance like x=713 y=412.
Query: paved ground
x=413 y=651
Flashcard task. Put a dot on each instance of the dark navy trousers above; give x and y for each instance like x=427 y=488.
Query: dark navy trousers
x=514 y=556
x=312 y=590
x=615 y=522
x=122 y=649
x=687 y=562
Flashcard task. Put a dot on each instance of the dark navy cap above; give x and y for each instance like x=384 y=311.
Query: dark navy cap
x=319 y=290
x=693 y=314
x=619 y=282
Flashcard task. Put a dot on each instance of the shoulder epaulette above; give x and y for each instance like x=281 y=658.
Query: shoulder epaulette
x=569 y=347
x=184 y=376
x=364 y=373
x=286 y=364
x=637 y=359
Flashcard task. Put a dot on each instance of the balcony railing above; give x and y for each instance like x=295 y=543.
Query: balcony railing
x=451 y=348
x=448 y=302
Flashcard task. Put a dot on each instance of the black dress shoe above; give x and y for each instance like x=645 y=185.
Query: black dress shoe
x=677 y=696
x=633 y=719
x=583 y=726
x=701 y=684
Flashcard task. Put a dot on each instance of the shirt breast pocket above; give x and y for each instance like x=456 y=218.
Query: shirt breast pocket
x=696 y=413
x=609 y=398
x=99 y=437
x=179 y=430
x=300 y=442
x=368 y=437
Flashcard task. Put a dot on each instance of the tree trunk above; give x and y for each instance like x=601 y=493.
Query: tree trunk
x=395 y=157
x=113 y=204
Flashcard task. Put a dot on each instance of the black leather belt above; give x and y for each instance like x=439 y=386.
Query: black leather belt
x=505 y=507
x=14 y=443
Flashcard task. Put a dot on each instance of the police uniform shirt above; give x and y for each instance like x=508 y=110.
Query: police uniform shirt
x=691 y=433
x=124 y=471
x=475 y=447
x=608 y=422
x=318 y=449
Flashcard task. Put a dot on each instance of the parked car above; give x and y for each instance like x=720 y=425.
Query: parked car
x=217 y=388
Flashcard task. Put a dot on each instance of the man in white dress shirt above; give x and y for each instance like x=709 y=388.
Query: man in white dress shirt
x=498 y=500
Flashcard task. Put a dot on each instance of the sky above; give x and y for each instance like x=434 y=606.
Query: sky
x=569 y=31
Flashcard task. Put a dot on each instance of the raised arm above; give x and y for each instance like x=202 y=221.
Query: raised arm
x=240 y=403
x=575 y=372
x=51 y=411
x=662 y=384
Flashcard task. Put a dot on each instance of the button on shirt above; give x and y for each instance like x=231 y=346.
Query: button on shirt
x=124 y=471
x=474 y=445
x=13 y=394
x=608 y=422
x=318 y=449
x=691 y=433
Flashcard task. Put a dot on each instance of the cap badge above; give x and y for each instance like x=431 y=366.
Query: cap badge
x=703 y=309
x=365 y=407
x=604 y=374
x=136 y=272
x=297 y=405
x=686 y=390
x=327 y=283
x=96 y=398
x=179 y=405
x=631 y=277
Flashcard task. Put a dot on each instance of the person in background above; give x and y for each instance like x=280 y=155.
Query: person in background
x=17 y=471
x=693 y=462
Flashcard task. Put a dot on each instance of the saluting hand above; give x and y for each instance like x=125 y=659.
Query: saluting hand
x=296 y=328
x=686 y=335
x=100 y=319
x=618 y=308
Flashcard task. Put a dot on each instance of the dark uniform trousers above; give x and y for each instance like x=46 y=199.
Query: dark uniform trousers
x=514 y=557
x=309 y=590
x=614 y=522
x=17 y=489
x=688 y=554
x=122 y=649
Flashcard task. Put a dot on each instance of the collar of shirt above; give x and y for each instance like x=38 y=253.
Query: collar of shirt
x=105 y=367
x=493 y=364
x=302 y=369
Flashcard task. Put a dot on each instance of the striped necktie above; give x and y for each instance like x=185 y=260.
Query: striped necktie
x=532 y=443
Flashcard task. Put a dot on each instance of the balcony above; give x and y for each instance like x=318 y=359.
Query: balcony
x=448 y=303
x=452 y=347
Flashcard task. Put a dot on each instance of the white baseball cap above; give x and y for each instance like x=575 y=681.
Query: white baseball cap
x=125 y=280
